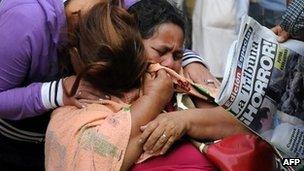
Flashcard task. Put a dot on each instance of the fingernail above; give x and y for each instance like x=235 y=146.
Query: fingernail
x=161 y=153
x=100 y=99
x=151 y=152
x=79 y=93
x=83 y=106
x=107 y=96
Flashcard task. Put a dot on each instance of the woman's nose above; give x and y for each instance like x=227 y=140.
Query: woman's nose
x=168 y=61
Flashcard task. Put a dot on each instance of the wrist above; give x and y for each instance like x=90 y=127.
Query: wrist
x=52 y=94
x=187 y=121
x=158 y=99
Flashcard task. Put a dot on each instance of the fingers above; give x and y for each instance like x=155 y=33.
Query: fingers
x=157 y=135
x=147 y=131
x=77 y=103
x=211 y=81
x=216 y=83
x=162 y=140
x=201 y=75
x=283 y=36
x=84 y=91
x=142 y=128
x=87 y=101
x=160 y=134
x=84 y=94
x=276 y=29
x=87 y=91
x=89 y=95
x=168 y=144
x=163 y=75
x=148 y=78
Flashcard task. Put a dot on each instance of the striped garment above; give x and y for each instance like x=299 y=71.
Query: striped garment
x=293 y=19
x=190 y=56
x=52 y=94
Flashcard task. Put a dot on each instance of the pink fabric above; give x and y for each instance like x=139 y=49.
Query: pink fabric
x=83 y=139
x=183 y=156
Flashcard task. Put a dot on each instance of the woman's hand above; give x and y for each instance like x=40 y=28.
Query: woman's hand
x=159 y=134
x=281 y=33
x=198 y=73
x=84 y=91
x=159 y=87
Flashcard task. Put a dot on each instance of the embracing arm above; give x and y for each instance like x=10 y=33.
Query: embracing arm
x=16 y=49
x=144 y=110
x=24 y=42
x=157 y=92
x=209 y=123
x=212 y=123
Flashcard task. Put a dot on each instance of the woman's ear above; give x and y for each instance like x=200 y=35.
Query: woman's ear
x=77 y=64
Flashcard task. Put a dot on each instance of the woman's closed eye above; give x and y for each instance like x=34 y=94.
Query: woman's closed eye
x=161 y=51
x=177 y=55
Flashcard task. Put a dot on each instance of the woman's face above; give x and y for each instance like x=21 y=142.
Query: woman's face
x=165 y=46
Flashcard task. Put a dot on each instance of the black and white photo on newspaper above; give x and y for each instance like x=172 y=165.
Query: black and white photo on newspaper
x=263 y=87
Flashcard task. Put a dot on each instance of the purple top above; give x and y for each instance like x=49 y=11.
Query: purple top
x=29 y=35
x=129 y=3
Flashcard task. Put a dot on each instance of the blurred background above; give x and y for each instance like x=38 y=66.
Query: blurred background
x=214 y=24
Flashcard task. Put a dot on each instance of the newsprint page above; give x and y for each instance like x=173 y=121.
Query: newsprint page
x=263 y=87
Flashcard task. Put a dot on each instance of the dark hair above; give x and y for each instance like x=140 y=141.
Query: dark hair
x=110 y=49
x=262 y=113
x=152 y=13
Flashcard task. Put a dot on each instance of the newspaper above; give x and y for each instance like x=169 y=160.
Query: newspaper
x=263 y=87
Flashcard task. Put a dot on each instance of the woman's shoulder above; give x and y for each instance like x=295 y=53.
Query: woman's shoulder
x=70 y=118
x=95 y=109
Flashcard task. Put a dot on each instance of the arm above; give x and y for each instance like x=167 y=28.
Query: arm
x=293 y=19
x=24 y=42
x=190 y=56
x=211 y=123
x=153 y=101
x=292 y=24
x=17 y=102
x=156 y=94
